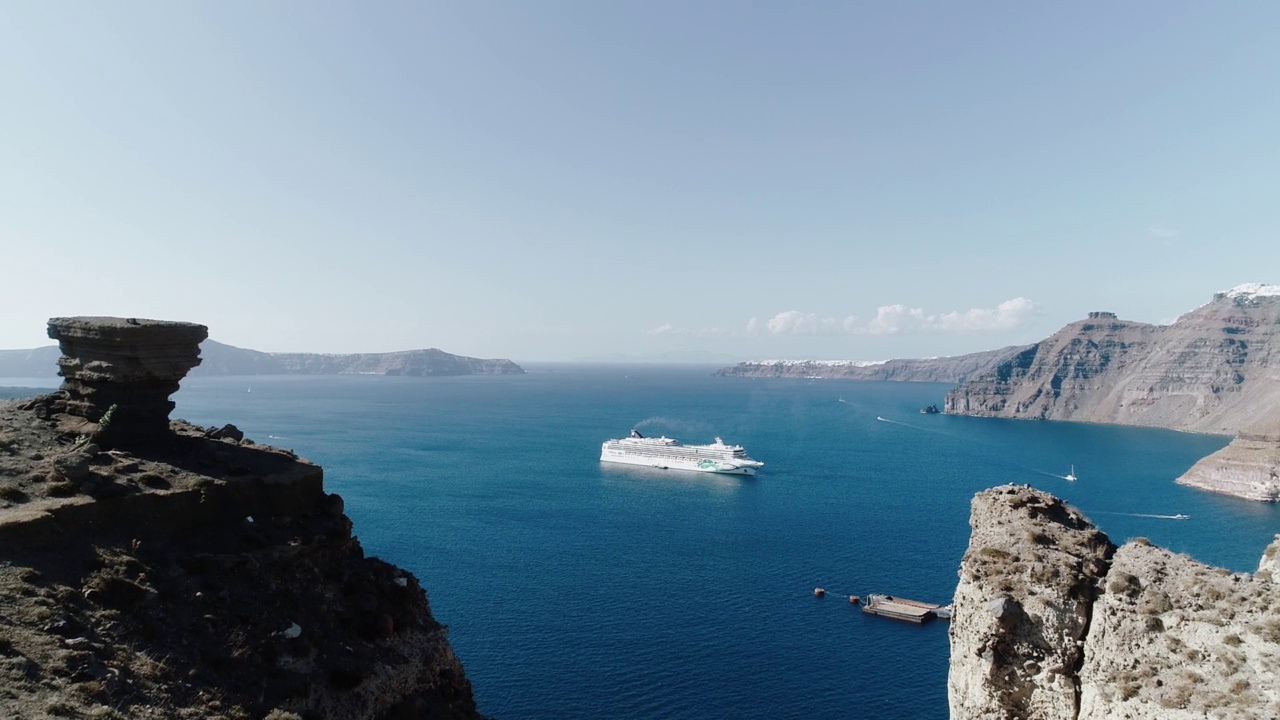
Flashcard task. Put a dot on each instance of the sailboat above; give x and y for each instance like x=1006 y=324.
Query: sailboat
x=1071 y=476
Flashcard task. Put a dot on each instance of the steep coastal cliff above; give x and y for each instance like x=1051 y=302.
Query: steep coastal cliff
x=1215 y=370
x=154 y=569
x=1248 y=467
x=941 y=369
x=1051 y=620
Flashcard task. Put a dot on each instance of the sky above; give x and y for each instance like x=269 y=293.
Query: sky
x=649 y=180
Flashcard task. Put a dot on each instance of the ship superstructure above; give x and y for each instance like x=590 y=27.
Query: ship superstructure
x=669 y=454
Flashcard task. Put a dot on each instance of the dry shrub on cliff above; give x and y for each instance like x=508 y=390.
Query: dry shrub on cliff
x=1269 y=631
x=13 y=494
x=1122 y=583
x=1155 y=602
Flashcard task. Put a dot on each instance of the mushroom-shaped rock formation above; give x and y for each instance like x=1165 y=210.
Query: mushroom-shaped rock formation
x=119 y=372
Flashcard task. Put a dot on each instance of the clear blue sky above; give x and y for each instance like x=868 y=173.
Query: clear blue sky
x=561 y=180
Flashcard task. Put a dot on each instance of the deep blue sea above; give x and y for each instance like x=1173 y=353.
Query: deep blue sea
x=574 y=589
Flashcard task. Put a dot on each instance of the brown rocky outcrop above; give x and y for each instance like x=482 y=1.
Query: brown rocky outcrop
x=127 y=367
x=1215 y=370
x=1052 y=621
x=191 y=573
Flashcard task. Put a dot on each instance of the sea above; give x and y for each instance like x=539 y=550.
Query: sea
x=576 y=589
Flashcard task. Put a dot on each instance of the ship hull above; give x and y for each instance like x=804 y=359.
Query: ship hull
x=673 y=464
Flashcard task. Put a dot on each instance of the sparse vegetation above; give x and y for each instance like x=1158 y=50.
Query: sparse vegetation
x=994 y=553
x=1122 y=583
x=1155 y=602
x=12 y=493
x=1269 y=630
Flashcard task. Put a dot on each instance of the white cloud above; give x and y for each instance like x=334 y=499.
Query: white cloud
x=888 y=320
x=1005 y=316
x=794 y=322
x=895 y=320
x=901 y=320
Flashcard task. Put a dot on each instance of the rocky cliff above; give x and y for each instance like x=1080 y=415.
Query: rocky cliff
x=1248 y=467
x=1051 y=620
x=151 y=569
x=1215 y=370
x=220 y=359
x=941 y=369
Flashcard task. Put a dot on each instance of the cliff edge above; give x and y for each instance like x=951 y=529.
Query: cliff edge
x=1052 y=620
x=155 y=569
x=1215 y=370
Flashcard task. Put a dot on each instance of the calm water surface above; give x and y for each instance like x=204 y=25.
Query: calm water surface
x=579 y=590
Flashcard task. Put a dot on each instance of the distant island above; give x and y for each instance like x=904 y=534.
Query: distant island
x=954 y=369
x=218 y=359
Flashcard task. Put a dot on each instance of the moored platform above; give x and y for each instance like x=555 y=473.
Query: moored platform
x=903 y=609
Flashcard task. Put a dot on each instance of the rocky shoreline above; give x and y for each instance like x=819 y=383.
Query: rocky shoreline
x=154 y=569
x=1053 y=621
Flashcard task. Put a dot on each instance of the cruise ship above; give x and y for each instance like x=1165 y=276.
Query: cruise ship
x=668 y=454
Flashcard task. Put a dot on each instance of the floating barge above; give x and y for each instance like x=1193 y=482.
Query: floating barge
x=904 y=609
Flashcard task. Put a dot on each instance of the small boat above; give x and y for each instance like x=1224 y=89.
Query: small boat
x=1071 y=476
x=1180 y=516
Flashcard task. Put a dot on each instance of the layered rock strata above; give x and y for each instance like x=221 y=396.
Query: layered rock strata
x=1053 y=621
x=125 y=367
x=195 y=574
x=1248 y=467
x=1215 y=370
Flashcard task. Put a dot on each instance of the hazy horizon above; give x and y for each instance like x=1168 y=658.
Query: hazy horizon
x=633 y=180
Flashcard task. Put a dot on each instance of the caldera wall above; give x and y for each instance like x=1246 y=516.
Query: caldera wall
x=1051 y=620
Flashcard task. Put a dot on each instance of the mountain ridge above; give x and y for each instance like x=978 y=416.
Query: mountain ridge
x=220 y=359
x=952 y=369
x=1214 y=370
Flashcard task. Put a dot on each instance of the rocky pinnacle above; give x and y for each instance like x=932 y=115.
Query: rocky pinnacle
x=132 y=364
